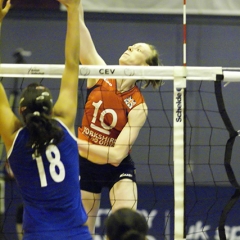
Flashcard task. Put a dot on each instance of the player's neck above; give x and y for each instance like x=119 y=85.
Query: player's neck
x=124 y=85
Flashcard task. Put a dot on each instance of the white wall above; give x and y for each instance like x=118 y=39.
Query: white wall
x=205 y=7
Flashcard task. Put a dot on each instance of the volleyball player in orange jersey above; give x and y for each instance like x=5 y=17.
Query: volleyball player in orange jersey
x=114 y=114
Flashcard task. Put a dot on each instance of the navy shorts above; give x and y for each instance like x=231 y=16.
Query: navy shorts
x=94 y=177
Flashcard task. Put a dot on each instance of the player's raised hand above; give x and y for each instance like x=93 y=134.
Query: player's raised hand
x=4 y=10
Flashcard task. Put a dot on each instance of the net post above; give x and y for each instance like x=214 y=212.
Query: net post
x=179 y=85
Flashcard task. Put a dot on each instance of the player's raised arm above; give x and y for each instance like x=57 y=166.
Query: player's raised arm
x=88 y=52
x=9 y=123
x=66 y=105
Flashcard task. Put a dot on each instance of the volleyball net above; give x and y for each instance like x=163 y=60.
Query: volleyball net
x=187 y=143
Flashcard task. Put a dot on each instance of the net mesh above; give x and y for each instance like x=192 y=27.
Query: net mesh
x=208 y=188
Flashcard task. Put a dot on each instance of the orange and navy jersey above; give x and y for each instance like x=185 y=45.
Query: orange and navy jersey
x=106 y=112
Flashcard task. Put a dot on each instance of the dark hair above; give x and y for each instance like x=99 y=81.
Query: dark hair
x=36 y=107
x=154 y=60
x=126 y=224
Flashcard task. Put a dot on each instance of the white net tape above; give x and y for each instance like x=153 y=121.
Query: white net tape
x=116 y=71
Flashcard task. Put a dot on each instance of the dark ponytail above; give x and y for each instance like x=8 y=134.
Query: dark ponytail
x=36 y=108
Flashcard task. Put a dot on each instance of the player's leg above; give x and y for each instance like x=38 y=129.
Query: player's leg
x=91 y=203
x=124 y=194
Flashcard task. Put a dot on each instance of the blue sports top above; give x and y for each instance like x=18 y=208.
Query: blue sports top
x=49 y=184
